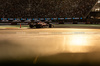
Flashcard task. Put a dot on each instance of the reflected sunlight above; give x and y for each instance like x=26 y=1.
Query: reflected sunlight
x=79 y=40
x=77 y=43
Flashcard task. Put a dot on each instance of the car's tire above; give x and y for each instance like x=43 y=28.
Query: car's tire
x=31 y=25
x=37 y=26
x=51 y=25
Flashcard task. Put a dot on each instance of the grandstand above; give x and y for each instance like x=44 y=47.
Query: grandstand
x=94 y=15
x=45 y=8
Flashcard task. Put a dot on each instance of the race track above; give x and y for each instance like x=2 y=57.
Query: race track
x=55 y=46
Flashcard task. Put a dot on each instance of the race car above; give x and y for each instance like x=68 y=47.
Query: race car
x=40 y=24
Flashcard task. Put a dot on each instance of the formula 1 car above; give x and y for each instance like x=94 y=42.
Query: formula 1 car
x=40 y=24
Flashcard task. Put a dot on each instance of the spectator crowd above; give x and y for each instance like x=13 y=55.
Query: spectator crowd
x=45 y=8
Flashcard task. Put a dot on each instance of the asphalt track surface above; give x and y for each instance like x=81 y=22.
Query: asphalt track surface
x=50 y=46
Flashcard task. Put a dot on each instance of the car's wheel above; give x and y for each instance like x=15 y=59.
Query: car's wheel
x=31 y=25
x=51 y=25
x=37 y=26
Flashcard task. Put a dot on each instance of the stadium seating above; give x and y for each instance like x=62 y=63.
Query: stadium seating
x=45 y=8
